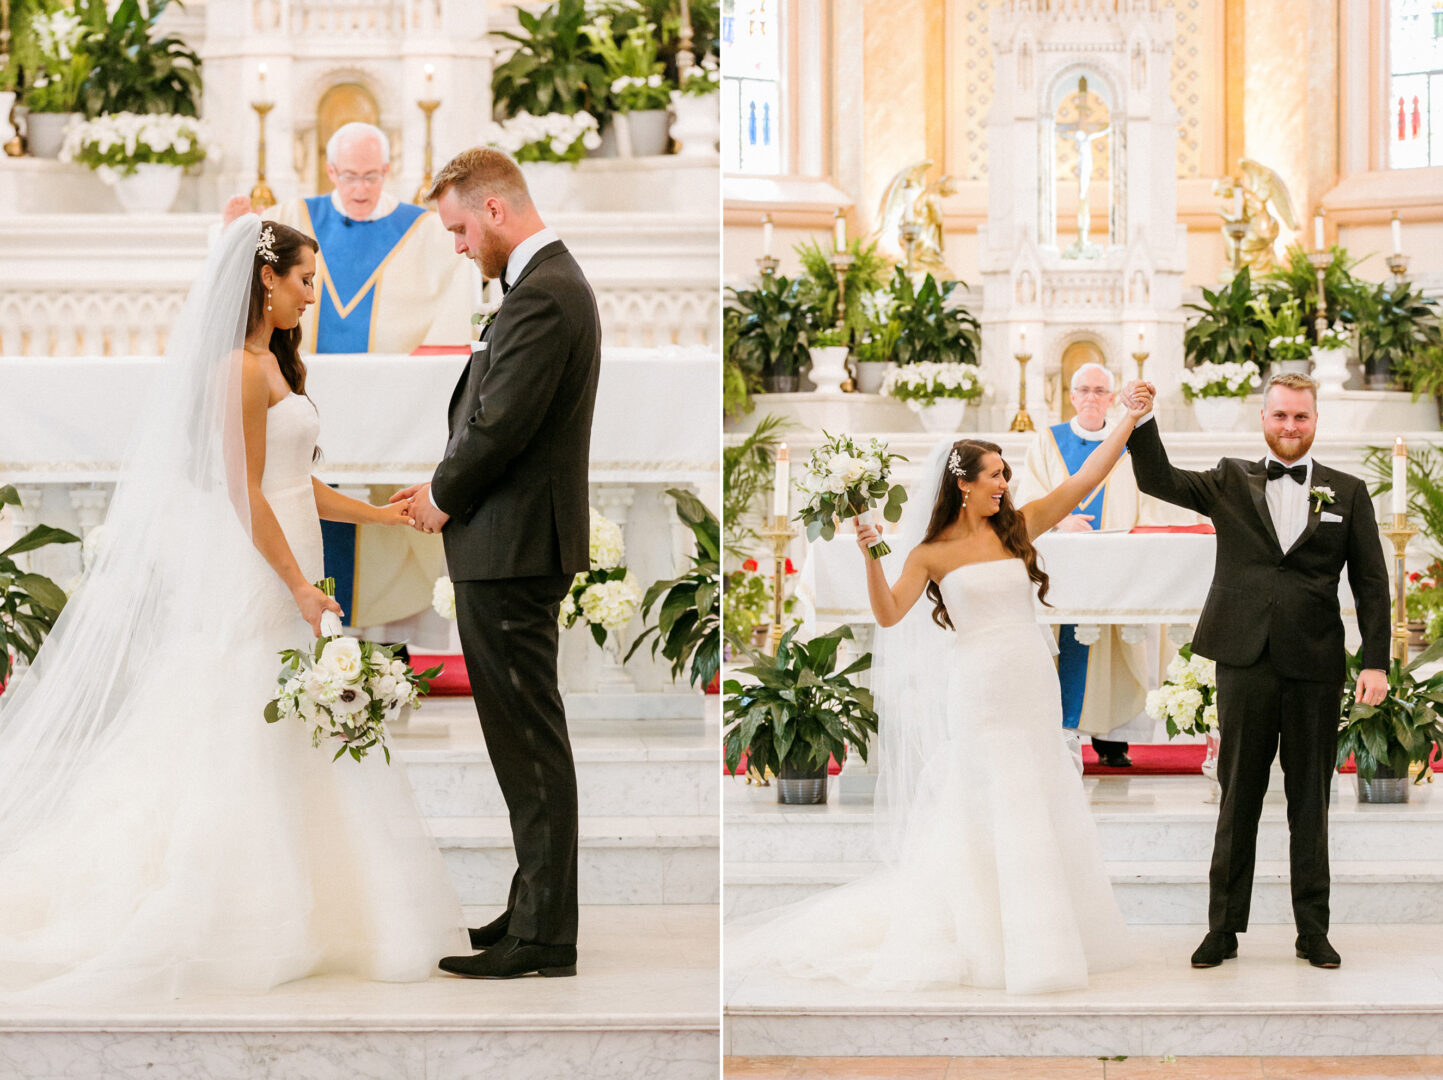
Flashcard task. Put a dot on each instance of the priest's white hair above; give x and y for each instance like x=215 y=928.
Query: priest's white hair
x=357 y=129
x=1076 y=375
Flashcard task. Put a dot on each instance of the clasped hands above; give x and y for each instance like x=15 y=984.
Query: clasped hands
x=419 y=511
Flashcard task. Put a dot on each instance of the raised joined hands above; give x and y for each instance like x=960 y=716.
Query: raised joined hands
x=1137 y=397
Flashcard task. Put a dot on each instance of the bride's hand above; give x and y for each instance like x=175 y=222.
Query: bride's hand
x=1137 y=398
x=866 y=534
x=314 y=603
x=397 y=513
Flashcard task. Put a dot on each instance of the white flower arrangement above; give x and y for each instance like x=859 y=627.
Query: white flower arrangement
x=608 y=596
x=115 y=143
x=564 y=137
x=1220 y=380
x=843 y=480
x=1187 y=700
x=920 y=384
x=443 y=598
x=636 y=93
x=345 y=689
x=703 y=79
x=1334 y=337
x=59 y=34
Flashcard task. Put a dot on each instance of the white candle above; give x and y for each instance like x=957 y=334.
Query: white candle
x=1237 y=202
x=767 y=234
x=1397 y=234
x=1140 y=346
x=1318 y=231
x=262 y=70
x=430 y=73
x=1022 y=342
x=781 y=488
x=1400 y=476
x=840 y=225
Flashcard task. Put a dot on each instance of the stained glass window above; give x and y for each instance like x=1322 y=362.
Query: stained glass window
x=751 y=86
x=1415 y=50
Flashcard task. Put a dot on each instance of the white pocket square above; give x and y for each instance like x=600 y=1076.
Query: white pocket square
x=1332 y=517
x=483 y=346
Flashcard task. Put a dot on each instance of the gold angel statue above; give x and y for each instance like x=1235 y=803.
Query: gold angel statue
x=911 y=220
x=1259 y=198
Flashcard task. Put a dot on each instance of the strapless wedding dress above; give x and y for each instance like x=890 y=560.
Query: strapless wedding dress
x=999 y=881
x=208 y=851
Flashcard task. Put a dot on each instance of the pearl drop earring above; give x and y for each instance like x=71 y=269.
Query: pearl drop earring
x=268 y=299
x=964 y=498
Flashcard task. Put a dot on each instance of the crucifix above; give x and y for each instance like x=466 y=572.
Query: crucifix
x=1083 y=132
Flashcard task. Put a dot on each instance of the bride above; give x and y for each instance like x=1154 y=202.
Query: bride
x=992 y=872
x=157 y=838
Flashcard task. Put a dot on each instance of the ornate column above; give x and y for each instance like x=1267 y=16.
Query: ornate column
x=614 y=501
x=90 y=504
x=682 y=541
x=24 y=518
x=858 y=780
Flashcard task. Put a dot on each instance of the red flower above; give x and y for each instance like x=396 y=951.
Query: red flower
x=751 y=565
x=1415 y=576
x=790 y=568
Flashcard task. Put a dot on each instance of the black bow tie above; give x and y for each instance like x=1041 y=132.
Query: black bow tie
x=505 y=288
x=1277 y=470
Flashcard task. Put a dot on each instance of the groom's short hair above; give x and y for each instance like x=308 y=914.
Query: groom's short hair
x=478 y=174
x=1293 y=380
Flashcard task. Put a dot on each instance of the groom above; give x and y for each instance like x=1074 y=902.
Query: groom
x=1286 y=528
x=510 y=500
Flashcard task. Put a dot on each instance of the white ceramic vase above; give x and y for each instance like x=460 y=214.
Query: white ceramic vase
x=944 y=414
x=151 y=189
x=1330 y=368
x=697 y=127
x=642 y=133
x=1217 y=413
x=829 y=369
x=46 y=132
x=871 y=374
x=550 y=184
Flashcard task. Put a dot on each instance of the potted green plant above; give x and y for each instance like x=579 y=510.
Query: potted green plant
x=937 y=392
x=1227 y=330
x=547 y=149
x=1396 y=323
x=688 y=626
x=551 y=68
x=1288 y=347
x=930 y=326
x=56 y=80
x=770 y=332
x=876 y=346
x=1404 y=729
x=142 y=156
x=867 y=272
x=136 y=69
x=29 y=603
x=747 y=475
x=640 y=92
x=796 y=713
x=1216 y=392
x=695 y=104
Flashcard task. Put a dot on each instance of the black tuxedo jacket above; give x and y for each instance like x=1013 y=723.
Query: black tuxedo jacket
x=514 y=475
x=1263 y=596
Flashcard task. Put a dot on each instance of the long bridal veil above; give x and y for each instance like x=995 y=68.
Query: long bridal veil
x=169 y=571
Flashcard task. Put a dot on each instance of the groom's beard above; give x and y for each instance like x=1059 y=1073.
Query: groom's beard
x=1289 y=449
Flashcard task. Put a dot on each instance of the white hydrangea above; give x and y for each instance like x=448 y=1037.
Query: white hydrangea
x=1220 y=380
x=608 y=546
x=443 y=598
x=164 y=138
x=544 y=134
x=611 y=604
x=923 y=383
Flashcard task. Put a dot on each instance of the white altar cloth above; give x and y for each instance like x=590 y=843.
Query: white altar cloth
x=383 y=417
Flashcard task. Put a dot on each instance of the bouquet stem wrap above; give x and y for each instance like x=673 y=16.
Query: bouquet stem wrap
x=878 y=547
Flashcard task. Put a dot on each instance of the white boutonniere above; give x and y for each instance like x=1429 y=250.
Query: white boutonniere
x=1322 y=496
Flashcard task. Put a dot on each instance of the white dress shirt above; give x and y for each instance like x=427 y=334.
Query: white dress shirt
x=1288 y=501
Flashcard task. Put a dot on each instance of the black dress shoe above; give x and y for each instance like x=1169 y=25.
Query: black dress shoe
x=511 y=957
x=1215 y=948
x=1115 y=759
x=1314 y=948
x=483 y=937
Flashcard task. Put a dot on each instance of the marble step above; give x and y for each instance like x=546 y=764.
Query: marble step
x=1148 y=893
x=1381 y=1001
x=622 y=860
x=608 y=1023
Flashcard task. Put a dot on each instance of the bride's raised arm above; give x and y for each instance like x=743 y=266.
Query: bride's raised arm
x=1047 y=510
x=891 y=602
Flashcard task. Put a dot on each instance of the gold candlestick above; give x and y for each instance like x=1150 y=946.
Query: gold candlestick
x=427 y=107
x=1400 y=532
x=767 y=265
x=780 y=535
x=841 y=261
x=1320 y=261
x=1398 y=266
x=261 y=195
x=685 y=58
x=1141 y=358
x=911 y=232
x=1022 y=422
x=1235 y=231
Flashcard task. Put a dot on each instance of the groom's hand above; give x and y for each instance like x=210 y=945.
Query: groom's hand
x=425 y=517
x=1372 y=686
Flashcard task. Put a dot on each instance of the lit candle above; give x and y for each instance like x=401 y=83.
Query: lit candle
x=1318 y=231
x=1022 y=342
x=1140 y=347
x=430 y=73
x=782 y=485
x=767 y=235
x=1397 y=234
x=840 y=225
x=1400 y=476
x=262 y=70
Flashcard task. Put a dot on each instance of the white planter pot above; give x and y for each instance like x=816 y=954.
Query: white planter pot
x=46 y=132
x=151 y=189
x=550 y=184
x=871 y=374
x=829 y=368
x=697 y=127
x=944 y=414
x=1217 y=413
x=1330 y=368
x=7 y=129
x=1291 y=367
x=642 y=133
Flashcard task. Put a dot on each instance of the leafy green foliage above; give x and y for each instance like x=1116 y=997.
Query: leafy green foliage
x=1425 y=485
x=1398 y=332
x=553 y=68
x=688 y=623
x=747 y=474
x=1297 y=280
x=1228 y=330
x=769 y=332
x=1403 y=729
x=135 y=69
x=867 y=272
x=29 y=603
x=797 y=709
x=929 y=327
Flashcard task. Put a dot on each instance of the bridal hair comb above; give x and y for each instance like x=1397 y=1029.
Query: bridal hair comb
x=263 y=245
x=954 y=463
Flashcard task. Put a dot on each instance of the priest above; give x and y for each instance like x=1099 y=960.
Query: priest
x=1104 y=684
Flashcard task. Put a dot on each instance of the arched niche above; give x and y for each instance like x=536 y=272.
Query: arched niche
x=343 y=103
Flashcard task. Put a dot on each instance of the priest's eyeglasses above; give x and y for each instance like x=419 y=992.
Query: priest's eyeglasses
x=370 y=179
x=1091 y=391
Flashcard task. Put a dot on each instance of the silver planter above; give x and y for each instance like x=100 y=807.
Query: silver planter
x=798 y=787
x=1384 y=787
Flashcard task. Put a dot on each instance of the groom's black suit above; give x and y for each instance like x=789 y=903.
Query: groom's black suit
x=1272 y=623
x=514 y=480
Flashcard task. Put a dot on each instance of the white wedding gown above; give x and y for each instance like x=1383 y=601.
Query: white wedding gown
x=207 y=851
x=999 y=880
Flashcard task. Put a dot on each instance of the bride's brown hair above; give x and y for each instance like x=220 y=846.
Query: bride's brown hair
x=286 y=243
x=1008 y=523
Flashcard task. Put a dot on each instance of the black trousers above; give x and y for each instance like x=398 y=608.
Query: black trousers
x=509 y=636
x=1260 y=714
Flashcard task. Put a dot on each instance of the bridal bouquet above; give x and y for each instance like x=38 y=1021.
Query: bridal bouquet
x=607 y=596
x=1188 y=699
x=843 y=480
x=346 y=689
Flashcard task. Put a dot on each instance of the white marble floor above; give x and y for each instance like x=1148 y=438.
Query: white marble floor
x=1387 y=998
x=643 y=1005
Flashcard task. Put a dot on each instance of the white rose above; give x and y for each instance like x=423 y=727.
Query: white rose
x=341 y=658
x=443 y=598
